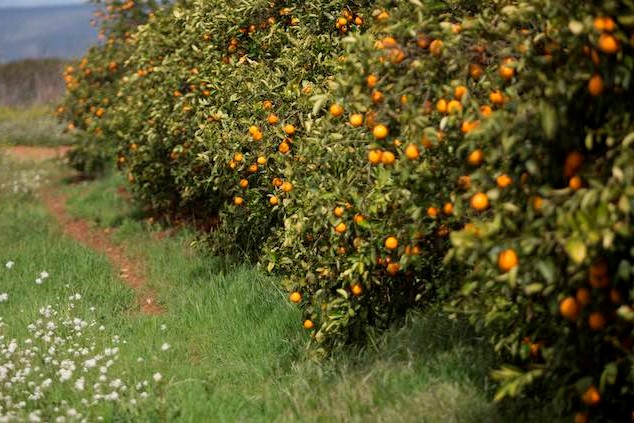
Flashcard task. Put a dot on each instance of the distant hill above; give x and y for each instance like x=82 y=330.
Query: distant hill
x=37 y=32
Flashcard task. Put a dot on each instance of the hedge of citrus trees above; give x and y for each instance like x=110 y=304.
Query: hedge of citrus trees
x=382 y=155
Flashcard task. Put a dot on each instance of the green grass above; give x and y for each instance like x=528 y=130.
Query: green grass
x=237 y=348
x=34 y=125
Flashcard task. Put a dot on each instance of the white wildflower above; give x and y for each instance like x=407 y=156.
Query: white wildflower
x=157 y=377
x=9 y=264
x=4 y=297
x=44 y=275
x=165 y=346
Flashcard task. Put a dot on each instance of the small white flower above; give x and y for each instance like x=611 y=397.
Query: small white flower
x=39 y=281
x=44 y=275
x=163 y=327
x=139 y=360
x=157 y=377
x=165 y=346
x=4 y=297
x=9 y=264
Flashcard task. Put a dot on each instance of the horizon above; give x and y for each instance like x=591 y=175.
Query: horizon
x=28 y=4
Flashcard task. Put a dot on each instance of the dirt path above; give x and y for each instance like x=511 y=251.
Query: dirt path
x=131 y=270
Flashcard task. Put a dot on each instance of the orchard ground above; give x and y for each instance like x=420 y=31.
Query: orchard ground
x=226 y=343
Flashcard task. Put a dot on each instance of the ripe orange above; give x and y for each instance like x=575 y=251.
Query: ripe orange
x=274 y=200
x=475 y=71
x=507 y=260
x=435 y=48
x=383 y=16
x=272 y=119
x=573 y=163
x=388 y=158
x=341 y=228
x=423 y=42
x=244 y=183
x=338 y=211
x=608 y=44
x=377 y=97
x=380 y=132
x=596 y=321
x=583 y=296
x=411 y=152
x=454 y=106
x=599 y=274
x=581 y=418
x=308 y=324
x=253 y=168
x=287 y=186
x=459 y=92
x=284 y=147
x=289 y=130
x=485 y=111
x=295 y=297
x=356 y=290
x=497 y=98
x=393 y=268
x=480 y=201
x=575 y=183
x=238 y=201
x=441 y=105
x=371 y=80
x=261 y=160
x=504 y=180
x=253 y=129
x=277 y=182
x=538 y=202
x=507 y=69
x=591 y=396
x=391 y=243
x=336 y=110
x=476 y=157
x=238 y=157
x=267 y=105
x=447 y=209
x=257 y=136
x=569 y=308
x=432 y=212
x=374 y=156
x=595 y=85
x=358 y=218
x=356 y=119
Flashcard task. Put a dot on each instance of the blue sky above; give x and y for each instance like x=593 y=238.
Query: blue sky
x=31 y=3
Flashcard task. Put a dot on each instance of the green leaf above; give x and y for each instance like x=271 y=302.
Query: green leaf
x=549 y=119
x=576 y=250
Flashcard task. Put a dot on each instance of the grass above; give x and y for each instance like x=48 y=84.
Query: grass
x=31 y=126
x=237 y=348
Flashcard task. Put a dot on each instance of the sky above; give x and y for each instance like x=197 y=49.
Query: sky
x=32 y=3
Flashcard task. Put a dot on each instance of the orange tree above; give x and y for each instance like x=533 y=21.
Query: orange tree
x=92 y=83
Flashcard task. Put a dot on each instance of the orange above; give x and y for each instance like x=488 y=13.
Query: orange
x=393 y=268
x=573 y=163
x=308 y=324
x=423 y=42
x=289 y=130
x=497 y=98
x=475 y=71
x=374 y=156
x=295 y=297
x=507 y=260
x=538 y=202
x=435 y=48
x=569 y=308
x=336 y=110
x=272 y=119
x=599 y=275
x=338 y=211
x=238 y=201
x=411 y=152
x=341 y=228
x=486 y=111
x=464 y=181
x=383 y=16
x=468 y=126
x=356 y=119
x=261 y=160
x=581 y=418
x=591 y=396
x=480 y=201
x=358 y=218
x=595 y=85
x=356 y=290
x=284 y=147
x=277 y=182
x=371 y=80
x=447 y=209
x=266 y=104
x=476 y=157
x=596 y=321
x=441 y=105
x=575 y=183
x=341 y=22
x=253 y=168
x=380 y=132
x=253 y=129
x=287 y=186
x=432 y=212
x=459 y=92
x=388 y=158
x=503 y=180
x=244 y=183
x=615 y=296
x=454 y=106
x=507 y=69
x=377 y=97
x=391 y=243
x=608 y=44
x=257 y=136
x=583 y=296
x=274 y=200
x=238 y=157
